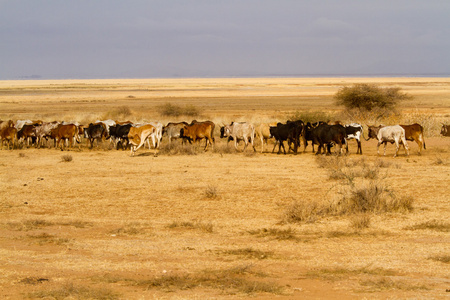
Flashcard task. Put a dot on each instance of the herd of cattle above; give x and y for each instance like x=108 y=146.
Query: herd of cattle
x=124 y=134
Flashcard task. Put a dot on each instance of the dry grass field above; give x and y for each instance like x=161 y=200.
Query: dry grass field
x=182 y=223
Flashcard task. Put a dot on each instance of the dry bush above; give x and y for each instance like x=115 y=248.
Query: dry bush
x=362 y=190
x=172 y=110
x=431 y=125
x=371 y=197
x=120 y=113
x=303 y=211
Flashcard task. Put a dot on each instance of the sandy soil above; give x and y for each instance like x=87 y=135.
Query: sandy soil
x=212 y=224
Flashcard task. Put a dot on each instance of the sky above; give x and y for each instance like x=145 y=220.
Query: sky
x=62 y=39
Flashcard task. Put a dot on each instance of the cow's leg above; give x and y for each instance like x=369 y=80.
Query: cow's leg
x=378 y=147
x=406 y=147
x=359 y=151
x=274 y=146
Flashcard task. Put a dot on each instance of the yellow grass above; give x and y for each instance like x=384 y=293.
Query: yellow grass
x=213 y=225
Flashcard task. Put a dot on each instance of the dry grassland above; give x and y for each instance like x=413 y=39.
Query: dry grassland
x=221 y=224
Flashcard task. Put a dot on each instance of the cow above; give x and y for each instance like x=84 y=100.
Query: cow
x=326 y=135
x=8 y=133
x=119 y=134
x=157 y=136
x=263 y=132
x=20 y=123
x=96 y=132
x=172 y=130
x=138 y=135
x=392 y=134
x=44 y=131
x=27 y=133
x=445 y=130
x=68 y=132
x=353 y=131
x=307 y=134
x=107 y=123
x=239 y=131
x=414 y=132
x=198 y=131
x=289 y=132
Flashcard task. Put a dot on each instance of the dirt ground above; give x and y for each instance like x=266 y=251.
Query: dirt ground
x=99 y=224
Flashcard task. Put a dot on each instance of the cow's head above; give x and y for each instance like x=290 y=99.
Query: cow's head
x=373 y=131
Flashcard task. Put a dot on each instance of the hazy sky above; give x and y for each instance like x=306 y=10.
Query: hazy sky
x=207 y=38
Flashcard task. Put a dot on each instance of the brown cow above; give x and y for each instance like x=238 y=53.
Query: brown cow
x=67 y=132
x=27 y=133
x=445 y=130
x=198 y=131
x=414 y=132
x=138 y=135
x=9 y=134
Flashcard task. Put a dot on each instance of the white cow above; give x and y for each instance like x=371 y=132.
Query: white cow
x=239 y=131
x=392 y=134
x=263 y=132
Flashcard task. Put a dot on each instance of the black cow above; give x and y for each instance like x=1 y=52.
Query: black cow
x=95 y=132
x=289 y=132
x=307 y=134
x=119 y=134
x=325 y=134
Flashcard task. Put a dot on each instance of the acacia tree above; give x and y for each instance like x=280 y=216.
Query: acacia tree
x=369 y=97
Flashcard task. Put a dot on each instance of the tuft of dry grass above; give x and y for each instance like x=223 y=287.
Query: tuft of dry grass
x=134 y=228
x=66 y=158
x=431 y=225
x=441 y=258
x=45 y=238
x=386 y=283
x=211 y=192
x=360 y=221
x=340 y=273
x=206 y=227
x=71 y=291
x=279 y=234
x=178 y=149
x=230 y=281
x=249 y=253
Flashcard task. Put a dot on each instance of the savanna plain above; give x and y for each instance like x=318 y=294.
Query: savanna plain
x=183 y=223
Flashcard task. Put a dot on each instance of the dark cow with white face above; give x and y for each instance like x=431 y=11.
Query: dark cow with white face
x=353 y=131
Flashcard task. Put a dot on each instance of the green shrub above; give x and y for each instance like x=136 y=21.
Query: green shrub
x=368 y=97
